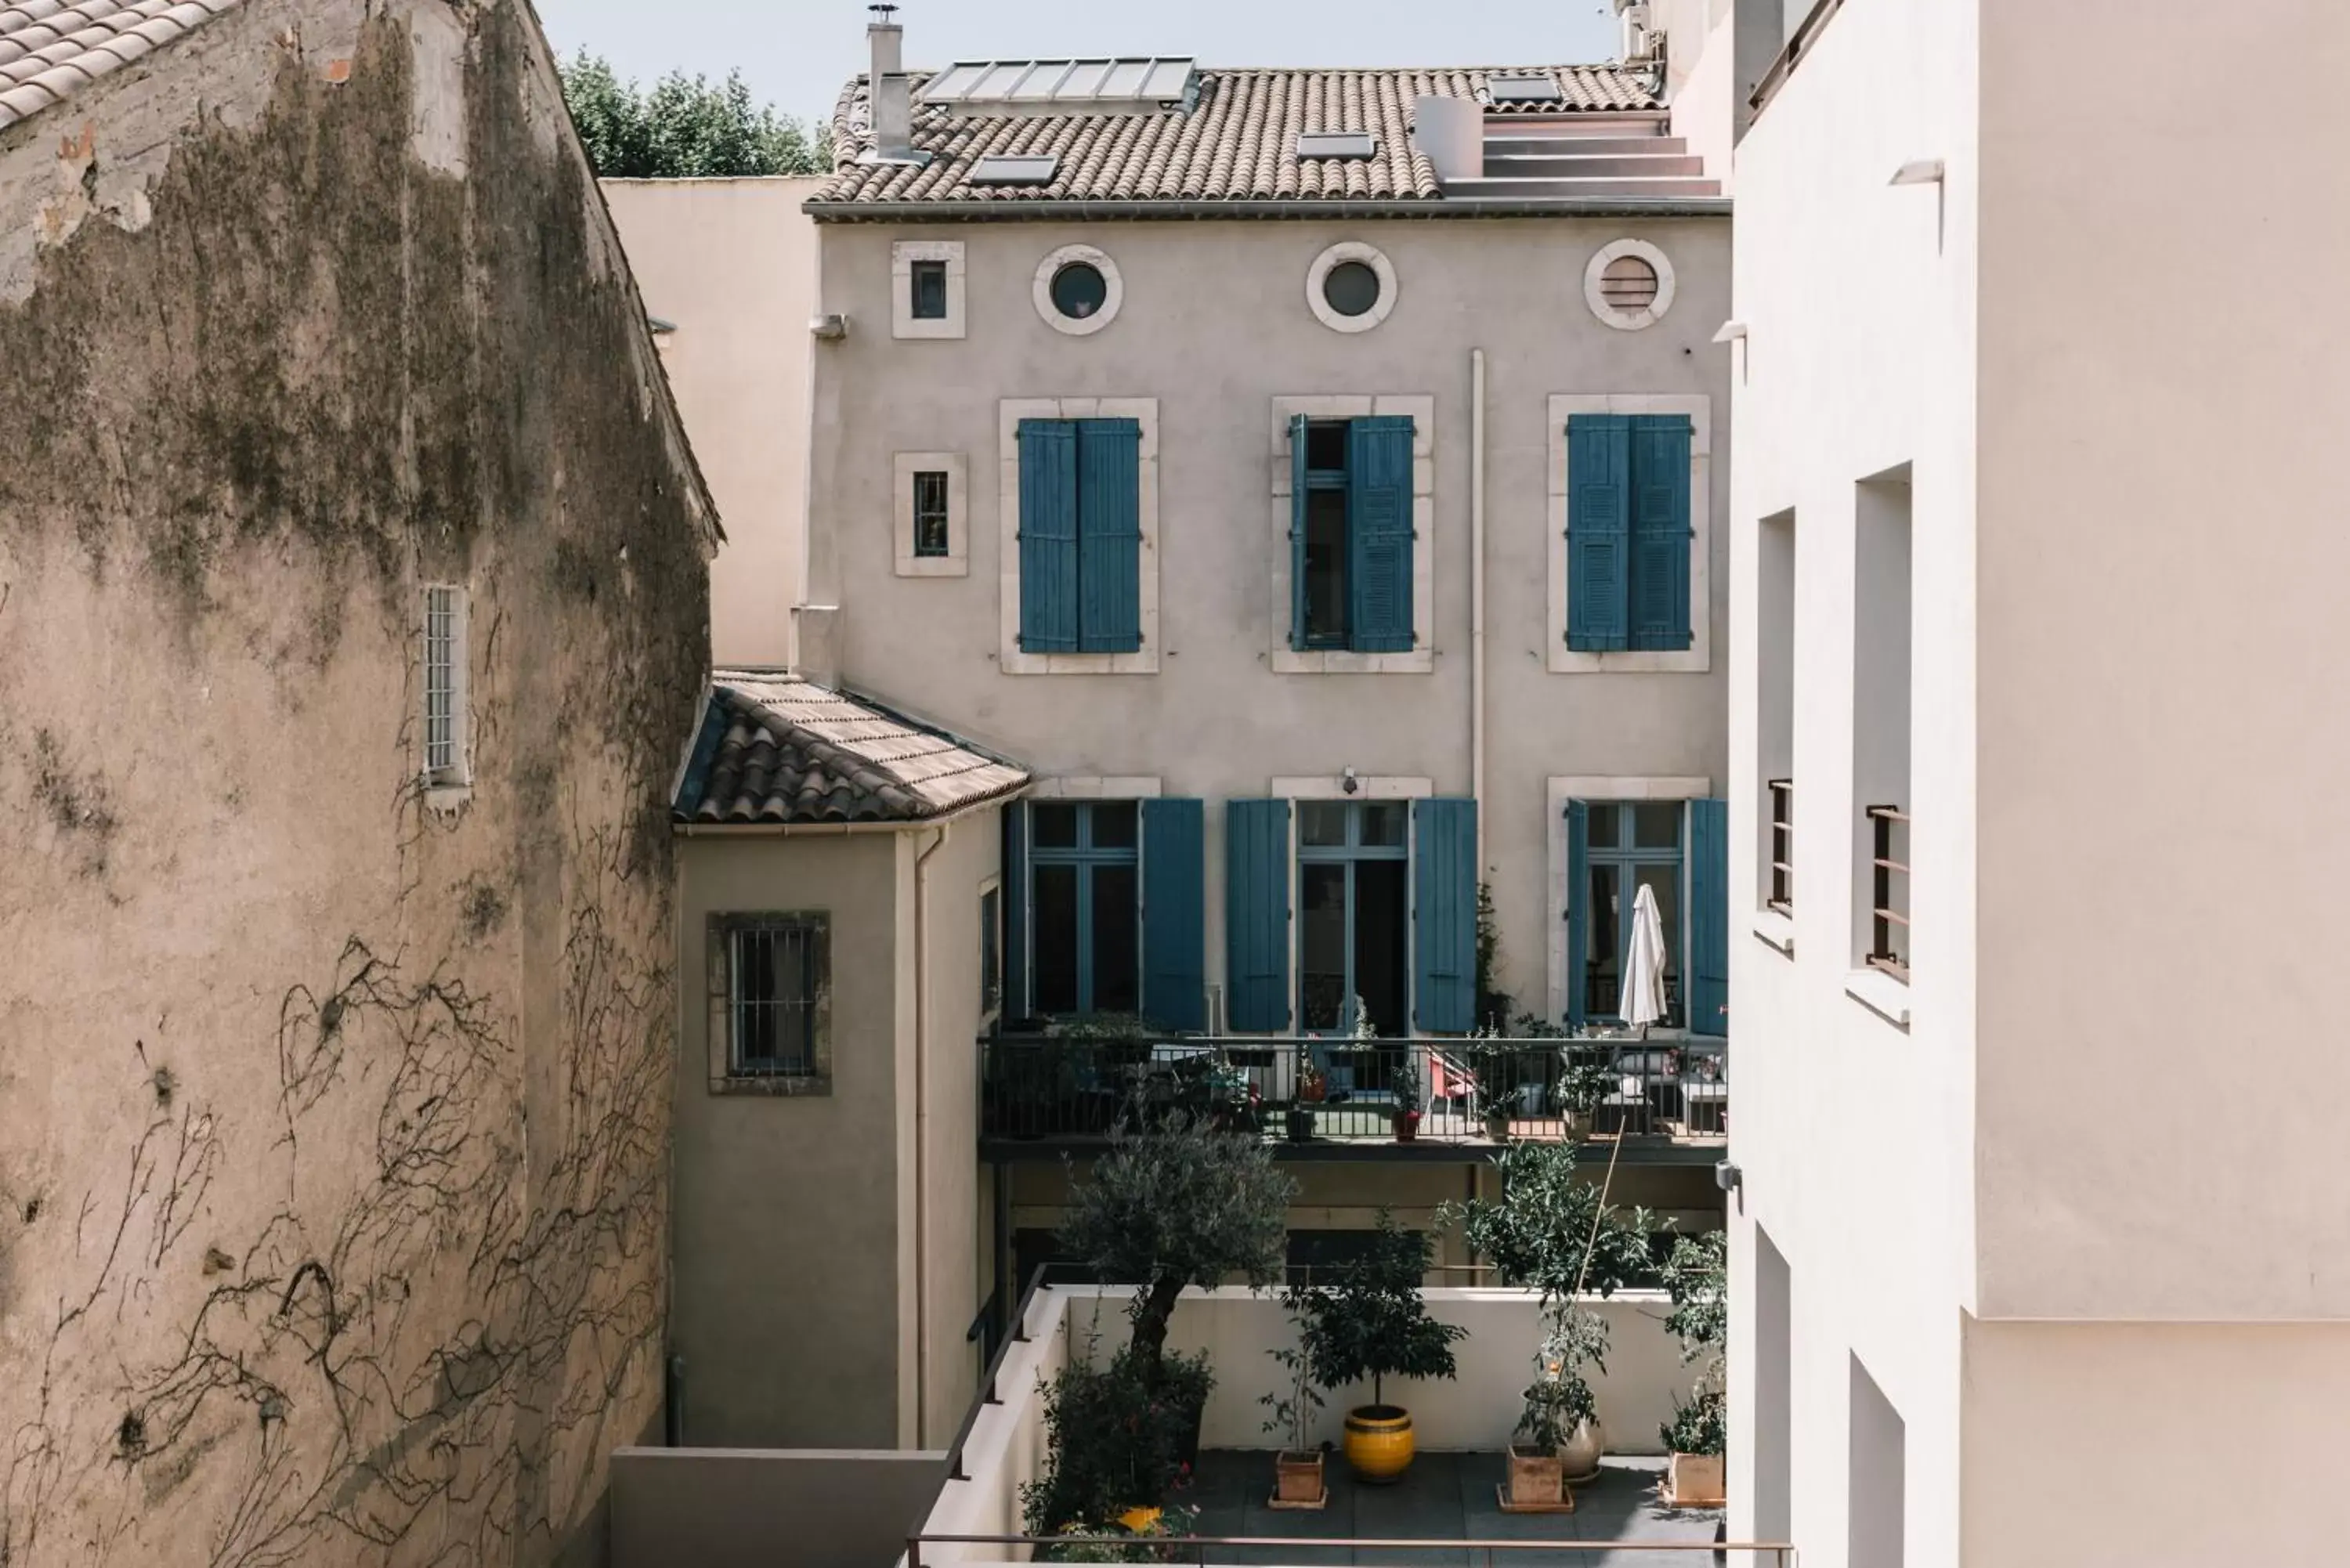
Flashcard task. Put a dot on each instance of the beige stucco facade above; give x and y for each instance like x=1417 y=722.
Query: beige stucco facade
x=334 y=1118
x=1214 y=345
x=830 y=1259
x=2085 y=1244
x=729 y=267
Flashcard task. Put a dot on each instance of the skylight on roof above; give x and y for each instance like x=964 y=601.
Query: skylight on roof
x=1133 y=84
x=1528 y=88
x=1336 y=144
x=1009 y=168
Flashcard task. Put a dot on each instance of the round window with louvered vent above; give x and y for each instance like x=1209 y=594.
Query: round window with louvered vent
x=1629 y=285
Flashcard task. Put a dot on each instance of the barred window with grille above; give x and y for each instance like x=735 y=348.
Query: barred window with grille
x=775 y=976
x=444 y=685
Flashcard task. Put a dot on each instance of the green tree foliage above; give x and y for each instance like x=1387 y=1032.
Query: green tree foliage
x=1371 y=1320
x=1549 y=1231
x=685 y=128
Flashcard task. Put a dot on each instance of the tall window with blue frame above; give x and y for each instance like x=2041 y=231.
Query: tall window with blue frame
x=1084 y=872
x=1628 y=532
x=1679 y=850
x=1354 y=915
x=1351 y=534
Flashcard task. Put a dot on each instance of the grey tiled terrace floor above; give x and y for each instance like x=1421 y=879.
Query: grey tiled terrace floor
x=1446 y=1497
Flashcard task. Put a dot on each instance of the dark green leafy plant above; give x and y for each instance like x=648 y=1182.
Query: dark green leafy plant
x=1549 y=1230
x=1179 y=1204
x=1696 y=1275
x=1370 y=1320
x=1559 y=1400
x=1116 y=1442
x=1492 y=1005
x=1293 y=1403
x=1701 y=1425
x=684 y=128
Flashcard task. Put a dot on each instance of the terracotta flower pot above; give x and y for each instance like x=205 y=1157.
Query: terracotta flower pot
x=1536 y=1477
x=1407 y=1126
x=1297 y=1478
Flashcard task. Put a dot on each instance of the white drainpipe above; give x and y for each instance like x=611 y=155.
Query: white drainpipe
x=1477 y=596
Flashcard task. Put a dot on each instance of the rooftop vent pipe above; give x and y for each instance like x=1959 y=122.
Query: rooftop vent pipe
x=892 y=96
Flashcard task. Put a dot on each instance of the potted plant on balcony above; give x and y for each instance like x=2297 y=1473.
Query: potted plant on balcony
x=1407 y=1102
x=1297 y=1468
x=1696 y=1276
x=1559 y=1425
x=1179 y=1204
x=1581 y=1085
x=1371 y=1322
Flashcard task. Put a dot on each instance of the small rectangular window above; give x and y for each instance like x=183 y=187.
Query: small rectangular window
x=444 y=685
x=775 y=975
x=930 y=285
x=929 y=511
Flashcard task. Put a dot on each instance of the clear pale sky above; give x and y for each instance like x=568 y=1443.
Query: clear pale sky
x=796 y=52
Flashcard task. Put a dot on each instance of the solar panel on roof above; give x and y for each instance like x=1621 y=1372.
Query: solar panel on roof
x=1010 y=168
x=1541 y=89
x=1140 y=83
x=1336 y=144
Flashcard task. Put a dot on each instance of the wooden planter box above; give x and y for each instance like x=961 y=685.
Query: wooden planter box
x=1297 y=1480
x=1536 y=1481
x=1695 y=1481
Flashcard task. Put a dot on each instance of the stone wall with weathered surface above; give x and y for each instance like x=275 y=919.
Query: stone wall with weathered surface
x=333 y=1126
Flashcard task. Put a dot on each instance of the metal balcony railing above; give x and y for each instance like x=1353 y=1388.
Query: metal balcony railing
x=1309 y=1090
x=1782 y=845
x=1889 y=926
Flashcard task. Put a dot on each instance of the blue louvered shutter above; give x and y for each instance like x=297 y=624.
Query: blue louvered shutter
x=1598 y=528
x=1014 y=882
x=1444 y=915
x=1174 y=914
x=1660 y=531
x=1256 y=914
x=1378 y=535
x=1578 y=911
x=1298 y=487
x=1048 y=537
x=1109 y=536
x=1708 y=964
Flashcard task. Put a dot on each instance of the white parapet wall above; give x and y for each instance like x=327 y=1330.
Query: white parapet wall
x=1239 y=1329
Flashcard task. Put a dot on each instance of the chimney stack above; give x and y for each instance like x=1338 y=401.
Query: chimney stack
x=891 y=95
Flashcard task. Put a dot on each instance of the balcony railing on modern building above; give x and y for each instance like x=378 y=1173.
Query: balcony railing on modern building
x=1782 y=845
x=1305 y=1091
x=1888 y=924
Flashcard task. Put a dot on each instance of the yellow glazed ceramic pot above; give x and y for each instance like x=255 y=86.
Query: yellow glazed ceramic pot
x=1378 y=1442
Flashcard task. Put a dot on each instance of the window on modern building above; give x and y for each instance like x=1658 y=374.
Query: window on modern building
x=1351 y=534
x=929 y=282
x=1080 y=535
x=991 y=952
x=1677 y=850
x=444 y=657
x=930 y=527
x=1880 y=723
x=1085 y=894
x=1354 y=915
x=1628 y=532
x=776 y=974
x=1774 y=707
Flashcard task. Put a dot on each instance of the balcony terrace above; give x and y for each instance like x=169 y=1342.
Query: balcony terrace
x=1659 y=1100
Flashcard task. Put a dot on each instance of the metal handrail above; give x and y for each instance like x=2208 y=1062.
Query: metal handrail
x=1783 y=842
x=1798 y=45
x=1882 y=916
x=989 y=1395
x=1782 y=1552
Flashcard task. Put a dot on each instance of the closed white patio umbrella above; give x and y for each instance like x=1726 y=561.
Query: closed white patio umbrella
x=1644 y=963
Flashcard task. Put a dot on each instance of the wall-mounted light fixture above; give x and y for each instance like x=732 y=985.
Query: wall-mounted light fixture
x=1921 y=171
x=1349 y=782
x=832 y=328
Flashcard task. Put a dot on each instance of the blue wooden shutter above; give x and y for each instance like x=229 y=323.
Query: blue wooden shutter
x=1578 y=911
x=1298 y=498
x=1048 y=537
x=1174 y=914
x=1109 y=536
x=1660 y=531
x=1708 y=965
x=1256 y=914
x=1015 y=914
x=1378 y=535
x=1599 y=515
x=1444 y=915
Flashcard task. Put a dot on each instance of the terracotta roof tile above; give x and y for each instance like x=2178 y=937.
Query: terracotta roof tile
x=778 y=749
x=57 y=48
x=1237 y=143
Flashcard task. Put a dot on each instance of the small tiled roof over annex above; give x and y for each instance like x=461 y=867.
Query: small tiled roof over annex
x=778 y=749
x=51 y=48
x=1237 y=143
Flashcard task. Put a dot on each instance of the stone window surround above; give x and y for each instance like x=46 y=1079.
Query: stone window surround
x=903 y=254
x=1596 y=297
x=956 y=562
x=1328 y=262
x=1558 y=791
x=1421 y=660
x=717 y=960
x=1010 y=658
x=1113 y=296
x=1697 y=658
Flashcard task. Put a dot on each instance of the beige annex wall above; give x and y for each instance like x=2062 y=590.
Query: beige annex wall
x=731 y=264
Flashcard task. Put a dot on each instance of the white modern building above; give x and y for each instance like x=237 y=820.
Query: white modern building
x=2038 y=379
